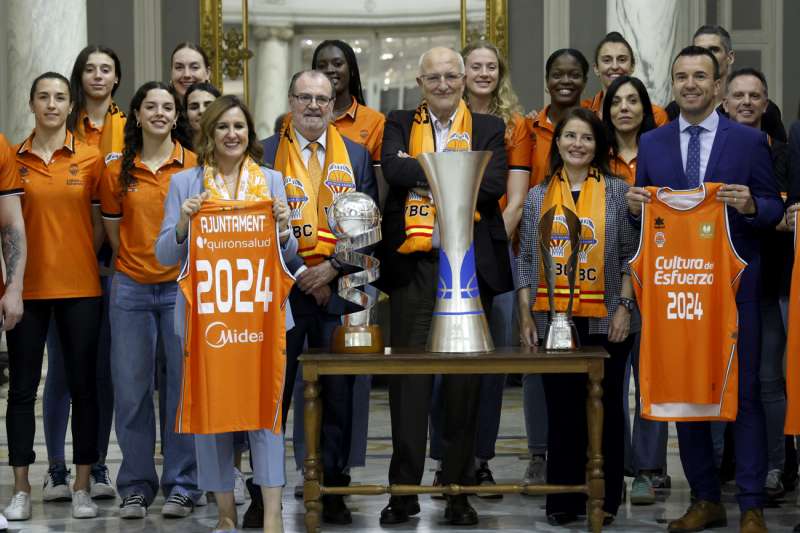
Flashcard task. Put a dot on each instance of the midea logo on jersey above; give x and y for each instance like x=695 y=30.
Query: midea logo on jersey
x=218 y=334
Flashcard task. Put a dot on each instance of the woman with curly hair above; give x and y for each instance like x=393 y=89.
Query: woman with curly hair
x=132 y=195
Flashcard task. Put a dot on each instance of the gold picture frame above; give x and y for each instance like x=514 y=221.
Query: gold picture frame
x=495 y=23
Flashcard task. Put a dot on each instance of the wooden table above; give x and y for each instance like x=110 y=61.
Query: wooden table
x=587 y=360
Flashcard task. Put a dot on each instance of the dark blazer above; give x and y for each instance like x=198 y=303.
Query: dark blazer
x=491 y=244
x=365 y=182
x=793 y=166
x=740 y=155
x=771 y=122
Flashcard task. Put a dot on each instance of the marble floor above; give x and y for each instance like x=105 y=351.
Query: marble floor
x=511 y=514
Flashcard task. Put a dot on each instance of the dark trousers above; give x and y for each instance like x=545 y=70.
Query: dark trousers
x=77 y=322
x=410 y=396
x=694 y=438
x=567 y=433
x=314 y=325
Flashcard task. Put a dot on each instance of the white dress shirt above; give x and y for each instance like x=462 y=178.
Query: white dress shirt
x=441 y=130
x=707 y=135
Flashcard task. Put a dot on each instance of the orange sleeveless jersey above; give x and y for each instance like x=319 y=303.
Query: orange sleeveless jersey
x=792 y=426
x=686 y=274
x=236 y=286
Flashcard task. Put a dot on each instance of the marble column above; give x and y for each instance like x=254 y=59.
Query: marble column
x=652 y=29
x=272 y=76
x=43 y=35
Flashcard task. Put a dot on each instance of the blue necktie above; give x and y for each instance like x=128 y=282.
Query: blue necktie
x=693 y=156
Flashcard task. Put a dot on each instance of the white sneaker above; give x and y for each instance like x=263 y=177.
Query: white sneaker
x=56 y=484
x=82 y=505
x=3 y=523
x=20 y=507
x=100 y=484
x=238 y=487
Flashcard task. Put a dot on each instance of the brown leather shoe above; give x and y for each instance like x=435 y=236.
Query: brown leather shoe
x=701 y=515
x=752 y=521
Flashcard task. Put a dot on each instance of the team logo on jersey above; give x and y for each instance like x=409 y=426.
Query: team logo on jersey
x=588 y=240
x=219 y=335
x=340 y=179
x=559 y=238
x=296 y=197
x=660 y=239
x=659 y=223
x=706 y=230
x=364 y=134
x=458 y=142
x=73 y=169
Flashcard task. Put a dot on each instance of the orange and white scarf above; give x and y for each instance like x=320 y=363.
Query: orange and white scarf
x=590 y=279
x=420 y=213
x=112 y=137
x=252 y=183
x=309 y=202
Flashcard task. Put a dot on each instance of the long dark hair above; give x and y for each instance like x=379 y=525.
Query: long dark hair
x=648 y=120
x=133 y=131
x=352 y=65
x=600 y=160
x=76 y=80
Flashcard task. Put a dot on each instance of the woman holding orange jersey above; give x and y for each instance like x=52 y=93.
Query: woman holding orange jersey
x=96 y=120
x=59 y=175
x=613 y=58
x=142 y=306
x=229 y=154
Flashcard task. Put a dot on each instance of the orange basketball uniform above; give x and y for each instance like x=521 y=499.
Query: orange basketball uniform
x=686 y=274
x=236 y=286
x=792 y=425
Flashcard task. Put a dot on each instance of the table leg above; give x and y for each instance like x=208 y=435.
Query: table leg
x=313 y=418
x=594 y=415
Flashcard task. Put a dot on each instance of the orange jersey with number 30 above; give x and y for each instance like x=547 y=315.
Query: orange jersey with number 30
x=236 y=286
x=686 y=274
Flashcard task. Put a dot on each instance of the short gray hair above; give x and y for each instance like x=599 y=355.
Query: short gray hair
x=312 y=73
x=462 y=67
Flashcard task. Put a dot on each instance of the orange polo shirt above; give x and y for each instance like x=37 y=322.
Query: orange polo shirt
x=57 y=209
x=518 y=148
x=621 y=169
x=140 y=212
x=363 y=125
x=596 y=104
x=9 y=181
x=113 y=125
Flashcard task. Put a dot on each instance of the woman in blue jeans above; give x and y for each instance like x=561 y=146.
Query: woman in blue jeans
x=142 y=305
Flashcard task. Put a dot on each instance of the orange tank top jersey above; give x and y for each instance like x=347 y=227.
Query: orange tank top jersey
x=792 y=424
x=140 y=212
x=363 y=125
x=686 y=274
x=596 y=105
x=57 y=209
x=236 y=287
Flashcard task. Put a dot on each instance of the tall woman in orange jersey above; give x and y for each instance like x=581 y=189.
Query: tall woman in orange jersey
x=96 y=120
x=627 y=115
x=580 y=181
x=613 y=58
x=228 y=152
x=59 y=175
x=566 y=71
x=142 y=306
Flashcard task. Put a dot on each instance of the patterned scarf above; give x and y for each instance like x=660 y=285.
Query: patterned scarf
x=252 y=183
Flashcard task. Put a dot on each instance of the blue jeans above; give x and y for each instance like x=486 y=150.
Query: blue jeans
x=138 y=314
x=56 y=399
x=215 y=459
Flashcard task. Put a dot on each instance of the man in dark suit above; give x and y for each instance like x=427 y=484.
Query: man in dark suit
x=316 y=306
x=410 y=280
x=702 y=146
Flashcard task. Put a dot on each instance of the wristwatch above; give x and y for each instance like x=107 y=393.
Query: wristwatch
x=627 y=303
x=335 y=264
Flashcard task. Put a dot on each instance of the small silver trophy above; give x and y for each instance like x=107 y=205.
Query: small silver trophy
x=356 y=221
x=561 y=334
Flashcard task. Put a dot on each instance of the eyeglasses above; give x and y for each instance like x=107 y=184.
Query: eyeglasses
x=306 y=99
x=451 y=78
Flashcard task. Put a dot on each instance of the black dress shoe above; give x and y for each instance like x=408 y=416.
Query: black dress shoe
x=334 y=511
x=459 y=512
x=399 y=509
x=561 y=519
x=796 y=529
x=254 y=516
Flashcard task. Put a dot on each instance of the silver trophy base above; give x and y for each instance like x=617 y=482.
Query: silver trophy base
x=561 y=335
x=456 y=333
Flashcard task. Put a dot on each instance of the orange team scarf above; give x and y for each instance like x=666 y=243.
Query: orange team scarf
x=590 y=278
x=252 y=183
x=420 y=213
x=112 y=138
x=309 y=202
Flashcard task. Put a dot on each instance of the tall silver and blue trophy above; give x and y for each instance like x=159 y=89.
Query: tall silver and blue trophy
x=459 y=322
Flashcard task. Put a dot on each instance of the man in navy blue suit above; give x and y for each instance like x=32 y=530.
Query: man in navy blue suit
x=316 y=306
x=702 y=146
